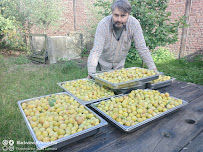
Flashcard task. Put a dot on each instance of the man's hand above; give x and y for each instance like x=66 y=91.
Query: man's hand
x=156 y=71
x=89 y=77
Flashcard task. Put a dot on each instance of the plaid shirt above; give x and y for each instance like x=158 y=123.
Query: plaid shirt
x=111 y=53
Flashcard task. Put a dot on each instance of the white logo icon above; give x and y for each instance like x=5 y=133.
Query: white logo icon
x=5 y=142
x=11 y=148
x=11 y=142
x=5 y=148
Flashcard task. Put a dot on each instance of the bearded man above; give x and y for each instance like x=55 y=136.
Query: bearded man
x=113 y=38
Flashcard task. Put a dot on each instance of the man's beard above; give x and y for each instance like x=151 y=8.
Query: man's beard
x=118 y=24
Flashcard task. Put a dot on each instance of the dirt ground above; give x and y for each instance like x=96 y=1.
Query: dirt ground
x=8 y=53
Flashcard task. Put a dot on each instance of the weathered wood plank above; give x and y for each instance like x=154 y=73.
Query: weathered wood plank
x=184 y=132
x=196 y=145
x=185 y=91
x=174 y=87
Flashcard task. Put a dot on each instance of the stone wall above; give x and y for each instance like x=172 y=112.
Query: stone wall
x=63 y=47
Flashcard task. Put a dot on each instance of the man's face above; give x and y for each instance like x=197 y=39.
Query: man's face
x=119 y=18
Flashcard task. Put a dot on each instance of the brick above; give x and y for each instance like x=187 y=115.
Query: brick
x=194 y=41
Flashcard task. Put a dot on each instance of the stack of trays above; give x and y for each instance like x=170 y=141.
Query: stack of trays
x=160 y=84
x=128 y=86
x=124 y=85
x=128 y=90
x=73 y=137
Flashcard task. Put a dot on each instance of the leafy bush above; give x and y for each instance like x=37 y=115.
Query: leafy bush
x=19 y=16
x=133 y=55
x=162 y=54
x=11 y=34
x=35 y=12
x=157 y=28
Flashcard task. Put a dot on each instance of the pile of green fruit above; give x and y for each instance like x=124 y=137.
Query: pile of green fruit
x=124 y=75
x=56 y=116
x=137 y=106
x=87 y=90
x=161 y=78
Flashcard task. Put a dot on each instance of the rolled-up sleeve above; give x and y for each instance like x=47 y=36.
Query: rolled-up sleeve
x=140 y=45
x=97 y=48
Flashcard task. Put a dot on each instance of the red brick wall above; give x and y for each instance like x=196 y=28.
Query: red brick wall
x=194 y=41
x=67 y=24
x=195 y=31
x=177 y=9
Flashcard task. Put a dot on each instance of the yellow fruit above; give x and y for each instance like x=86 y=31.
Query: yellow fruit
x=63 y=126
x=46 y=124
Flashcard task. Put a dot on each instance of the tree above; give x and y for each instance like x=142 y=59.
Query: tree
x=24 y=14
x=40 y=13
x=157 y=28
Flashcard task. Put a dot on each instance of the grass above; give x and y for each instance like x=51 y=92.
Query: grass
x=182 y=70
x=20 y=79
x=23 y=81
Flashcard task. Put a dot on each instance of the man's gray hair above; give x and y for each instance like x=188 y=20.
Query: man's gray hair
x=123 y=5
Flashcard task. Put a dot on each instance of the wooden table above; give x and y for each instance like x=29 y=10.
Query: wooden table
x=179 y=131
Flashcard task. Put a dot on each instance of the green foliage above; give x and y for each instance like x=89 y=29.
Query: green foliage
x=10 y=34
x=133 y=55
x=157 y=28
x=84 y=53
x=162 y=55
x=18 y=16
x=5 y=24
x=35 y=12
x=105 y=7
x=182 y=69
x=68 y=65
x=198 y=59
x=12 y=38
x=100 y=9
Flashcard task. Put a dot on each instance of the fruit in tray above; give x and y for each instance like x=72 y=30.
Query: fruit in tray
x=87 y=90
x=161 y=78
x=123 y=75
x=137 y=106
x=56 y=116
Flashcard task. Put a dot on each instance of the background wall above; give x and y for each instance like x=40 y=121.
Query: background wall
x=194 y=39
x=83 y=19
